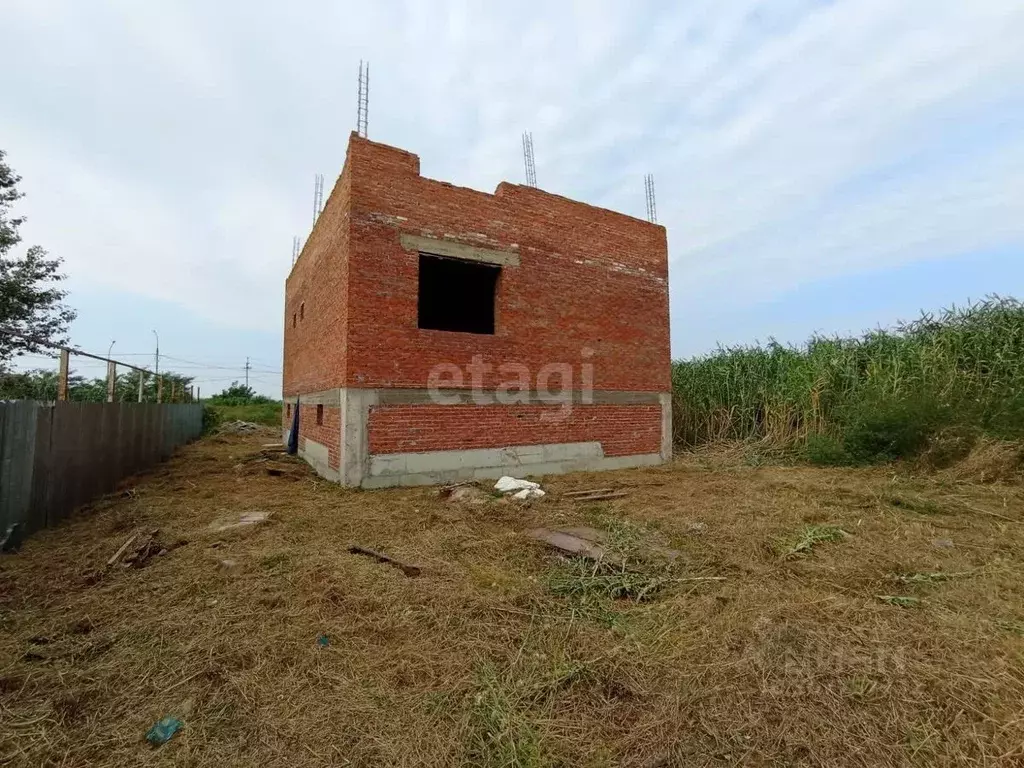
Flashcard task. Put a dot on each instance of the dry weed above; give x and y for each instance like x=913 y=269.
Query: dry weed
x=307 y=655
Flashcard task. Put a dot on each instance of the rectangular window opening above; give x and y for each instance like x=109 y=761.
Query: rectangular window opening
x=457 y=295
x=319 y=415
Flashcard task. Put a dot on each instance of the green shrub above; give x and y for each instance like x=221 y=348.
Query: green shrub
x=211 y=419
x=826 y=451
x=877 y=429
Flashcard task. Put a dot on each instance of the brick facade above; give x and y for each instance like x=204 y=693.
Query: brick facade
x=621 y=429
x=325 y=434
x=584 y=287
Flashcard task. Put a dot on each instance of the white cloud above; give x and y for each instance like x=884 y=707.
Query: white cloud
x=169 y=148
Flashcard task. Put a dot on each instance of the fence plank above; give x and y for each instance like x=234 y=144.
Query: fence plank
x=54 y=458
x=17 y=443
x=42 y=496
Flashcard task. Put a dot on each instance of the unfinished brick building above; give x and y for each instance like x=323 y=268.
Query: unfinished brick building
x=436 y=333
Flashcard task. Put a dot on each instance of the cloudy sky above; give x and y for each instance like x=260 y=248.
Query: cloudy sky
x=820 y=166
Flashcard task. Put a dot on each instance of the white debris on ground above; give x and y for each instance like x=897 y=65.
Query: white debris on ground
x=523 y=489
x=528 y=493
x=240 y=427
x=243 y=521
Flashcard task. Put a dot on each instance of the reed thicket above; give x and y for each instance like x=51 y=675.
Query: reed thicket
x=878 y=396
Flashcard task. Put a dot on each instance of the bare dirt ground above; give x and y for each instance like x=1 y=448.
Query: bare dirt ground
x=814 y=617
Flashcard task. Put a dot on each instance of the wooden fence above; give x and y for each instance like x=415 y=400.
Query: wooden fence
x=56 y=457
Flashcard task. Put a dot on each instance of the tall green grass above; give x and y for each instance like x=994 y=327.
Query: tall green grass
x=874 y=397
x=268 y=413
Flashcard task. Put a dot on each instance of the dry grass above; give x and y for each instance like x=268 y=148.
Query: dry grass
x=808 y=660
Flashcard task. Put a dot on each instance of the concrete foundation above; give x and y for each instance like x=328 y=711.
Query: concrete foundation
x=359 y=468
x=432 y=467
x=317 y=457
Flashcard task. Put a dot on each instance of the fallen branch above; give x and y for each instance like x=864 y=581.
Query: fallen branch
x=980 y=511
x=600 y=496
x=409 y=570
x=124 y=548
x=588 y=493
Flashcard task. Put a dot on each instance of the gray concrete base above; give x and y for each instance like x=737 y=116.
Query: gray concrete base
x=359 y=468
x=318 y=457
x=434 y=467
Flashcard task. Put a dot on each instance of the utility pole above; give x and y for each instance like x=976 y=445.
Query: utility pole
x=156 y=369
x=247 y=367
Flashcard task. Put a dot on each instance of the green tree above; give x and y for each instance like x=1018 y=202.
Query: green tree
x=236 y=391
x=239 y=394
x=42 y=385
x=31 y=301
x=32 y=385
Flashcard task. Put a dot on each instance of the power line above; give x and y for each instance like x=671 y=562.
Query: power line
x=99 y=361
x=210 y=365
x=259 y=367
x=231 y=379
x=43 y=342
x=224 y=368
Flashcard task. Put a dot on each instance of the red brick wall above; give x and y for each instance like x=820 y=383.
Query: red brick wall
x=314 y=337
x=622 y=430
x=327 y=434
x=588 y=278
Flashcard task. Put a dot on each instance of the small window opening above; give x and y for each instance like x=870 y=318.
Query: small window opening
x=320 y=415
x=302 y=311
x=457 y=295
x=293 y=319
x=289 y=411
